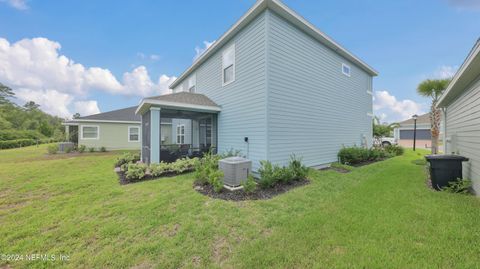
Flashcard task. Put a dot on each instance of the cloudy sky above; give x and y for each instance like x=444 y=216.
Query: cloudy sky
x=92 y=56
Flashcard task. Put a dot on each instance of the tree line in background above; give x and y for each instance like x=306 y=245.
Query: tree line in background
x=26 y=125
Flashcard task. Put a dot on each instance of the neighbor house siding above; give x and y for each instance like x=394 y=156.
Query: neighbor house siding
x=243 y=101
x=313 y=108
x=463 y=131
x=113 y=136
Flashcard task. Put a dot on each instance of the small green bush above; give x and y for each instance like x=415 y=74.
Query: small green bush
x=353 y=155
x=103 y=149
x=266 y=172
x=462 y=186
x=206 y=171
x=82 y=148
x=298 y=169
x=18 y=143
x=249 y=185
x=231 y=153
x=68 y=149
x=395 y=150
x=127 y=157
x=92 y=149
x=215 y=178
x=52 y=149
x=135 y=171
x=159 y=169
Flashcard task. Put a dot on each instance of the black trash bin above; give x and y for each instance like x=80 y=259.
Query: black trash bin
x=444 y=169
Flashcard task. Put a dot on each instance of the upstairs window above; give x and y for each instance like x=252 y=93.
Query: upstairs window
x=228 y=65
x=192 y=83
x=181 y=134
x=133 y=134
x=346 y=70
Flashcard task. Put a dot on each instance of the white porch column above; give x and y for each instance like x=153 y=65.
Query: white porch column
x=67 y=133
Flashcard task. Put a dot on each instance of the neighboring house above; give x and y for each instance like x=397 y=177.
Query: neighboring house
x=403 y=134
x=273 y=85
x=114 y=130
x=461 y=113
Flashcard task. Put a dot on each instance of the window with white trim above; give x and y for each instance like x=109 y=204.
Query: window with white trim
x=133 y=134
x=181 y=134
x=90 y=132
x=228 y=65
x=346 y=70
x=192 y=82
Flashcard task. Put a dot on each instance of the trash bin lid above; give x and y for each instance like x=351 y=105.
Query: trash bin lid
x=446 y=157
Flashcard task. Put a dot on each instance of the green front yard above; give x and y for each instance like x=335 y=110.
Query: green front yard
x=378 y=216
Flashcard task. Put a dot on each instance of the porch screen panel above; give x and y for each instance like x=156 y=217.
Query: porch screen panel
x=146 y=137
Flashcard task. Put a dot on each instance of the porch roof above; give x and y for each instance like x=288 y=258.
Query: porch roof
x=180 y=101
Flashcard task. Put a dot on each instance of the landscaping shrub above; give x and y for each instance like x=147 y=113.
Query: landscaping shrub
x=177 y=167
x=206 y=171
x=92 y=149
x=127 y=158
x=20 y=134
x=272 y=174
x=82 y=148
x=10 y=144
x=249 y=185
x=353 y=155
x=298 y=169
x=68 y=149
x=103 y=149
x=356 y=155
x=266 y=174
x=462 y=186
x=231 y=153
x=396 y=150
x=135 y=171
x=52 y=149
x=215 y=178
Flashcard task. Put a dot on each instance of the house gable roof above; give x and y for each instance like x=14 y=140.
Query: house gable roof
x=286 y=13
x=466 y=74
x=422 y=119
x=180 y=101
x=119 y=115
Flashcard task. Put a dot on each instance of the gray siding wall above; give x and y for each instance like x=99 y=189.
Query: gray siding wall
x=463 y=130
x=313 y=109
x=243 y=102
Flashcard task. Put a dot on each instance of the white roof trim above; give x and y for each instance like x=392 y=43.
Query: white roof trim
x=289 y=15
x=471 y=56
x=175 y=105
x=106 y=121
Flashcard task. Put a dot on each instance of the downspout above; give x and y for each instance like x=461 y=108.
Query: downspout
x=444 y=109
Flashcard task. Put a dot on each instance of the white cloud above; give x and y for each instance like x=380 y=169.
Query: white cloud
x=51 y=101
x=36 y=67
x=154 y=57
x=389 y=109
x=18 y=4
x=200 y=50
x=465 y=4
x=445 y=71
x=86 y=107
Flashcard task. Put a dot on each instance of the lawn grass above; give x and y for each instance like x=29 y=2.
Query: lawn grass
x=377 y=216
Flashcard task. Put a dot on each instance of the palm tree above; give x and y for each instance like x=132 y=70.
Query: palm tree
x=433 y=88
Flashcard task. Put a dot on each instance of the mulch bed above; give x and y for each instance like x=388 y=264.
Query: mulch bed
x=338 y=169
x=240 y=195
x=124 y=181
x=367 y=162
